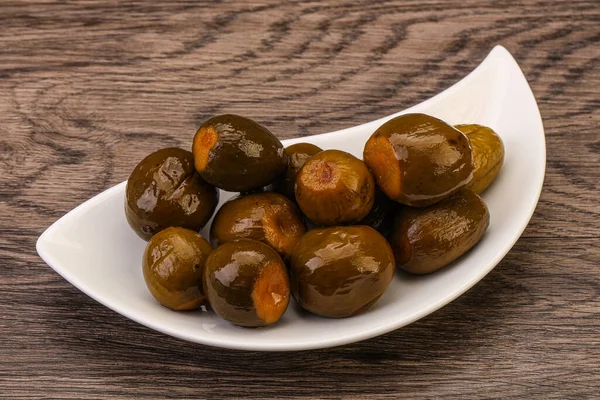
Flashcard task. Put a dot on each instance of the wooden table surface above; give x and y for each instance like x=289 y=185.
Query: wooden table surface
x=88 y=88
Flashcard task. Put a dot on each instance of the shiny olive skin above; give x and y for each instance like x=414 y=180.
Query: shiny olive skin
x=172 y=266
x=246 y=283
x=381 y=215
x=164 y=190
x=427 y=239
x=297 y=155
x=334 y=188
x=237 y=154
x=488 y=155
x=267 y=217
x=418 y=160
x=341 y=271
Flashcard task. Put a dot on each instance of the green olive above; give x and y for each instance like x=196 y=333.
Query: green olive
x=173 y=264
x=297 y=155
x=488 y=155
x=427 y=239
x=268 y=217
x=246 y=283
x=237 y=154
x=334 y=187
x=164 y=190
x=418 y=160
x=341 y=271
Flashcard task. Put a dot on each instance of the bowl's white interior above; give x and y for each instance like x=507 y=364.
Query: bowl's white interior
x=94 y=248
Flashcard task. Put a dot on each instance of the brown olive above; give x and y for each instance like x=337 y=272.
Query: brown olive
x=164 y=190
x=246 y=283
x=270 y=218
x=173 y=264
x=340 y=271
x=297 y=155
x=427 y=239
x=334 y=187
x=488 y=155
x=381 y=215
x=237 y=154
x=418 y=160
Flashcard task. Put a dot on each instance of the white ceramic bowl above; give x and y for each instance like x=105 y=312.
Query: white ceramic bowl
x=93 y=247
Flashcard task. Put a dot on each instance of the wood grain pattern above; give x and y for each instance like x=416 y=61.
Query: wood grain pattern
x=88 y=88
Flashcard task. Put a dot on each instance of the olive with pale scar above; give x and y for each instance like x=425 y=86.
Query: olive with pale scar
x=298 y=154
x=246 y=283
x=268 y=217
x=334 y=187
x=237 y=154
x=418 y=160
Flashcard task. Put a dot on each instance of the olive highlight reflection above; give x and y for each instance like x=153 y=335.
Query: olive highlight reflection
x=164 y=190
x=268 y=217
x=341 y=271
x=246 y=283
x=237 y=154
x=418 y=160
x=427 y=239
x=172 y=266
x=342 y=225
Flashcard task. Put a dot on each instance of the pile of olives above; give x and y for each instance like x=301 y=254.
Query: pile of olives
x=322 y=226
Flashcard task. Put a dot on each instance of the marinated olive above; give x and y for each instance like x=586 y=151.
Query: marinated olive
x=270 y=218
x=164 y=190
x=237 y=154
x=488 y=155
x=172 y=265
x=341 y=271
x=334 y=187
x=297 y=155
x=418 y=160
x=381 y=215
x=246 y=283
x=427 y=239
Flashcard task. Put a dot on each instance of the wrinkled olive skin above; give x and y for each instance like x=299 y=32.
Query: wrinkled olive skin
x=297 y=155
x=335 y=188
x=341 y=271
x=173 y=264
x=231 y=276
x=418 y=160
x=237 y=154
x=267 y=217
x=164 y=190
x=488 y=155
x=427 y=239
x=381 y=215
